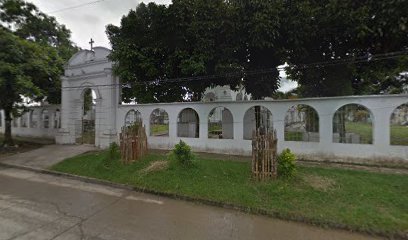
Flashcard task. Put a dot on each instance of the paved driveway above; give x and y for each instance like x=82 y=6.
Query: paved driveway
x=47 y=155
x=38 y=206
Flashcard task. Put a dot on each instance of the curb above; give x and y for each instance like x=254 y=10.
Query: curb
x=256 y=211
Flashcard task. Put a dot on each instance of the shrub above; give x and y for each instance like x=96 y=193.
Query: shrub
x=182 y=154
x=286 y=164
x=112 y=156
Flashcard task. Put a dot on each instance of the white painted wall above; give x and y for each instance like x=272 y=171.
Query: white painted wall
x=36 y=132
x=88 y=69
x=380 y=106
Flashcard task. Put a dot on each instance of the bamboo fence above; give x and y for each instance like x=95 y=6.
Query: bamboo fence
x=264 y=153
x=133 y=143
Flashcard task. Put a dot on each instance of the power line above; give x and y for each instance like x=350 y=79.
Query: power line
x=74 y=7
x=228 y=76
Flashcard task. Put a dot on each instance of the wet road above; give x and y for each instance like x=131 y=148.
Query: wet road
x=36 y=206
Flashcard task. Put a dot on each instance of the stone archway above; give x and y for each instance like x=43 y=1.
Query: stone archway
x=89 y=71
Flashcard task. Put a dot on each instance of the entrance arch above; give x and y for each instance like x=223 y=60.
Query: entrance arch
x=85 y=129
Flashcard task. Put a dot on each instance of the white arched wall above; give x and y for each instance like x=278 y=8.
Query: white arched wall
x=92 y=69
x=381 y=108
x=35 y=132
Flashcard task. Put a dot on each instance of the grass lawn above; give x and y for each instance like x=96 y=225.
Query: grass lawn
x=399 y=135
x=361 y=200
x=159 y=129
x=293 y=136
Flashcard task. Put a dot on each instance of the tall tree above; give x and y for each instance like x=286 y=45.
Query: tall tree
x=28 y=22
x=342 y=36
x=34 y=47
x=23 y=65
x=231 y=41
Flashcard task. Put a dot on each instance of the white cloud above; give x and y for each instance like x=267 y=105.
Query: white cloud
x=89 y=21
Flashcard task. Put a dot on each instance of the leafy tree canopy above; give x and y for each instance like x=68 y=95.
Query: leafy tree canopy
x=25 y=20
x=34 y=48
x=360 y=33
x=196 y=38
x=352 y=41
x=23 y=65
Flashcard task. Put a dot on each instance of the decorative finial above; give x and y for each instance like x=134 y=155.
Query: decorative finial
x=91 y=43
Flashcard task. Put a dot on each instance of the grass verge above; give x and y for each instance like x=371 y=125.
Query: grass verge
x=359 y=200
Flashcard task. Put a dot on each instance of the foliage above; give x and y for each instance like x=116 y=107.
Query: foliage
x=33 y=50
x=333 y=31
x=23 y=66
x=357 y=199
x=196 y=38
x=112 y=156
x=286 y=164
x=199 y=38
x=88 y=100
x=28 y=22
x=182 y=154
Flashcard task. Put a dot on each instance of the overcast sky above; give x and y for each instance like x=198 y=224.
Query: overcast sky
x=88 y=21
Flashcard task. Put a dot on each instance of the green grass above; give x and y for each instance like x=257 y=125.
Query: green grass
x=214 y=127
x=362 y=200
x=399 y=135
x=159 y=129
x=365 y=130
x=293 y=136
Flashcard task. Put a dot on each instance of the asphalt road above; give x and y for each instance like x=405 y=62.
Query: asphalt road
x=37 y=206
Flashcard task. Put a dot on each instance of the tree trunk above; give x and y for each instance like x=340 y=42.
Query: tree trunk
x=257 y=118
x=340 y=126
x=312 y=122
x=8 y=140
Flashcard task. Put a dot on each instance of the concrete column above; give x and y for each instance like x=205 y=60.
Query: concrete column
x=238 y=121
x=203 y=112
x=173 y=114
x=325 y=124
x=381 y=127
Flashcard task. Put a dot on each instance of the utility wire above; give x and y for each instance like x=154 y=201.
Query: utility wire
x=74 y=7
x=228 y=76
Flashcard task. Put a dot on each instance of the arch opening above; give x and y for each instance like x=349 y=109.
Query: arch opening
x=302 y=124
x=24 y=119
x=188 y=124
x=220 y=124
x=399 y=126
x=159 y=123
x=87 y=122
x=257 y=116
x=57 y=118
x=45 y=118
x=33 y=116
x=132 y=117
x=353 y=123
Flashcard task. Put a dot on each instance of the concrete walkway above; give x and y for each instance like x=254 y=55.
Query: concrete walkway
x=47 y=155
x=40 y=206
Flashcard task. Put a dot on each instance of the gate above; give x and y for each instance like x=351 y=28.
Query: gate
x=85 y=131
